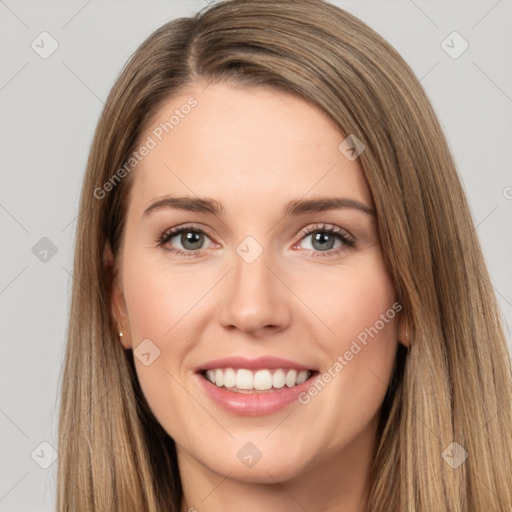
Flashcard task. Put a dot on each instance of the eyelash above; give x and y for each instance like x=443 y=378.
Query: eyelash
x=342 y=235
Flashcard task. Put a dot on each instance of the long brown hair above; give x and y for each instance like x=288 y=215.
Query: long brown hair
x=453 y=386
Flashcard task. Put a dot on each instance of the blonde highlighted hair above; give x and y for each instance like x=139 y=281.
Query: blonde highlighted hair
x=453 y=385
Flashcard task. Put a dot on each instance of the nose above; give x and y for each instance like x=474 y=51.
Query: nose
x=255 y=299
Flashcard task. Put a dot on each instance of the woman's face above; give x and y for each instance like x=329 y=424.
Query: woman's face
x=264 y=285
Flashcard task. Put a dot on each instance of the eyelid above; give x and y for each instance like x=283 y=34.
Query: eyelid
x=329 y=228
x=192 y=227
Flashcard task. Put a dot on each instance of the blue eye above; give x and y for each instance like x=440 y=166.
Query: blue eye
x=192 y=239
x=325 y=238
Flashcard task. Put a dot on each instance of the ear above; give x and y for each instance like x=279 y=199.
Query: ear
x=404 y=331
x=117 y=301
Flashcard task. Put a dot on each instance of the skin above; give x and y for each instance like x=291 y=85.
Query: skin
x=253 y=150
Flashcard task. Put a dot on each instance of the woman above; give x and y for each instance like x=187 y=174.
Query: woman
x=279 y=298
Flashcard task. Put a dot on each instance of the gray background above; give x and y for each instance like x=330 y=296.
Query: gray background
x=49 y=109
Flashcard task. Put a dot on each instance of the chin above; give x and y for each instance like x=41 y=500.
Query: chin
x=243 y=461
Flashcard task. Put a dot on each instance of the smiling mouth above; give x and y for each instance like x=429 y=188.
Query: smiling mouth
x=242 y=380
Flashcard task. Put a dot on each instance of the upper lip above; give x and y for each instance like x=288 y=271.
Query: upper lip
x=258 y=363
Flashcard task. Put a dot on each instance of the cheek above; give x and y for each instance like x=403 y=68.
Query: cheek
x=164 y=306
x=346 y=301
x=365 y=323
x=356 y=327
x=160 y=297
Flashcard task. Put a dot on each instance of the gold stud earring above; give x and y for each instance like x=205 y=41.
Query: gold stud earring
x=120 y=334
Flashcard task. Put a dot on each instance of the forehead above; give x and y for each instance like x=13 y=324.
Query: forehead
x=247 y=146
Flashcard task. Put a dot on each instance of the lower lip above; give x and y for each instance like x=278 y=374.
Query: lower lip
x=254 y=404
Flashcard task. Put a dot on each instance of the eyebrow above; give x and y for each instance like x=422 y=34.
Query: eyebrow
x=293 y=208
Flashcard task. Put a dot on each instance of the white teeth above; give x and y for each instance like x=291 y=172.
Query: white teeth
x=244 y=379
x=278 y=379
x=210 y=375
x=291 y=378
x=260 y=380
x=302 y=376
x=229 y=378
